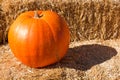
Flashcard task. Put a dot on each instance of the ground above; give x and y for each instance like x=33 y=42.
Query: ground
x=85 y=60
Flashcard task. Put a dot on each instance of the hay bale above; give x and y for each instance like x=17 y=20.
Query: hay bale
x=86 y=19
x=2 y=25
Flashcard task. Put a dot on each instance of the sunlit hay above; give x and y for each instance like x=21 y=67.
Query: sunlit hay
x=87 y=19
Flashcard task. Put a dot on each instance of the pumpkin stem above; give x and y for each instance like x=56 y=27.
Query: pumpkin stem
x=36 y=15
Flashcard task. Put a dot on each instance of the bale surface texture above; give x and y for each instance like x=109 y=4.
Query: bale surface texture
x=87 y=19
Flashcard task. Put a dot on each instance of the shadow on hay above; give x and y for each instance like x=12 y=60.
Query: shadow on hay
x=85 y=56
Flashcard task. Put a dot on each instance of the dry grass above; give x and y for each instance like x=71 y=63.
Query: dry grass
x=86 y=60
x=86 y=19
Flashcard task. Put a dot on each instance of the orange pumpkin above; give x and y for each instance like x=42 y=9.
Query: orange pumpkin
x=39 y=38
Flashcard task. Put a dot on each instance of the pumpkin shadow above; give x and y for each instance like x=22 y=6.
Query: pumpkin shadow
x=85 y=56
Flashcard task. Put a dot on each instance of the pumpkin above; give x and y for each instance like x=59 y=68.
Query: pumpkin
x=39 y=38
